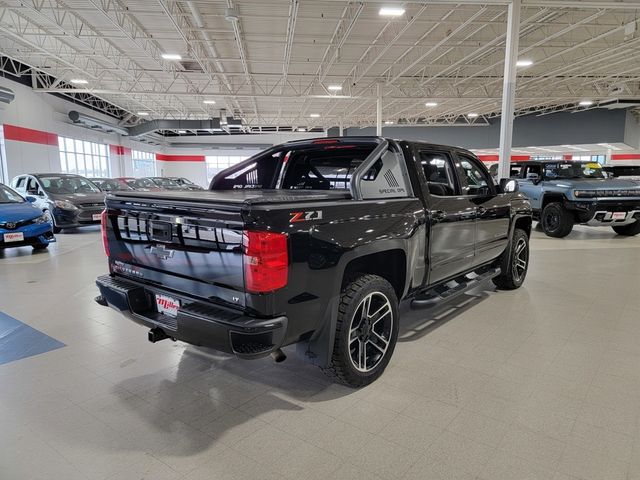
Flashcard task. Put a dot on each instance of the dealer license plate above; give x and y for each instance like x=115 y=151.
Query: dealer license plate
x=167 y=305
x=619 y=215
x=96 y=216
x=14 y=237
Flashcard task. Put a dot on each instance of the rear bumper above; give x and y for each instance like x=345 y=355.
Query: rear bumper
x=196 y=323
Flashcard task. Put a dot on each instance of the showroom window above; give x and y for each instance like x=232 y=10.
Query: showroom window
x=83 y=158
x=217 y=163
x=144 y=163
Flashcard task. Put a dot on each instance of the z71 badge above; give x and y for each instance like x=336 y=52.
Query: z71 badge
x=305 y=216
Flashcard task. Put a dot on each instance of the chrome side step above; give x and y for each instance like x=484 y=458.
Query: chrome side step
x=453 y=288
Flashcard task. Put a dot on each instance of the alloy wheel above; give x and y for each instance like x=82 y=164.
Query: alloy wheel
x=370 y=331
x=520 y=260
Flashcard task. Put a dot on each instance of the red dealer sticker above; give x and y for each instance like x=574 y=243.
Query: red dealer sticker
x=167 y=305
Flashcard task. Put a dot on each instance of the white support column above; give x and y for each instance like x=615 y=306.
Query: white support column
x=509 y=87
x=379 y=111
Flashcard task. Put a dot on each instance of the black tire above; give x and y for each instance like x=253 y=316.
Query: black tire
x=353 y=301
x=41 y=246
x=514 y=263
x=53 y=221
x=556 y=221
x=628 y=230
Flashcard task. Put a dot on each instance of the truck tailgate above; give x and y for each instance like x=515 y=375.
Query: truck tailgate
x=184 y=245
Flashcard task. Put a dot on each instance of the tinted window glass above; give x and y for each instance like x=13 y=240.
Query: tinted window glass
x=473 y=179
x=439 y=173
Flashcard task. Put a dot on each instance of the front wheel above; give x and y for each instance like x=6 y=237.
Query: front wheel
x=628 y=230
x=556 y=220
x=515 y=262
x=366 y=331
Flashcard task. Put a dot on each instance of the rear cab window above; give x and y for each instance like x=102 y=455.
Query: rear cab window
x=319 y=165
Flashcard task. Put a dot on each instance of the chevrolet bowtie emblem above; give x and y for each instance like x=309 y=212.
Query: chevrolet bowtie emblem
x=161 y=252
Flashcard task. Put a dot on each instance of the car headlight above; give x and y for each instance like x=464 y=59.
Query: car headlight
x=41 y=219
x=585 y=193
x=65 y=205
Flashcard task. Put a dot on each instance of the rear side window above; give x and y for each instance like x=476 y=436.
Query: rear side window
x=438 y=172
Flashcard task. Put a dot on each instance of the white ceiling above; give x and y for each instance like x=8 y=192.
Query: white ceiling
x=273 y=65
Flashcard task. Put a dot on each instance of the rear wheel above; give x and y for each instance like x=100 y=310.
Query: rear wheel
x=366 y=331
x=52 y=221
x=628 y=230
x=515 y=262
x=556 y=221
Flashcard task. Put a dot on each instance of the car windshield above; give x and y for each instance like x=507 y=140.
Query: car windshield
x=185 y=181
x=165 y=182
x=142 y=183
x=109 y=185
x=9 y=196
x=68 y=185
x=573 y=170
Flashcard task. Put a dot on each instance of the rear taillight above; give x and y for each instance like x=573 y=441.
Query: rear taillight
x=103 y=227
x=266 y=261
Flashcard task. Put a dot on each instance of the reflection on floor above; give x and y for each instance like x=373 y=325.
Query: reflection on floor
x=543 y=382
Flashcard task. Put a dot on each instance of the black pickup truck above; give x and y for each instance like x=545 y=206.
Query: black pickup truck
x=314 y=243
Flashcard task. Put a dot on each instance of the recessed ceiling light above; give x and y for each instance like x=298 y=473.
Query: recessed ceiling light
x=314 y=115
x=524 y=63
x=585 y=103
x=209 y=102
x=431 y=104
x=391 y=11
x=302 y=129
x=171 y=56
x=388 y=122
x=79 y=81
x=473 y=115
x=142 y=114
x=334 y=88
x=182 y=131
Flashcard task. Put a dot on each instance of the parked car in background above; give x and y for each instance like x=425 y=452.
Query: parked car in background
x=314 y=243
x=629 y=172
x=563 y=193
x=110 y=184
x=22 y=223
x=185 y=183
x=69 y=201
x=139 y=184
x=164 y=183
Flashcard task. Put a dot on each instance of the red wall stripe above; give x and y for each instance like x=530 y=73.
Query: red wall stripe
x=21 y=134
x=626 y=156
x=119 y=150
x=495 y=158
x=179 y=158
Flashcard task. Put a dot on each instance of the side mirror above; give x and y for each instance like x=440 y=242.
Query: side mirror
x=508 y=185
x=30 y=198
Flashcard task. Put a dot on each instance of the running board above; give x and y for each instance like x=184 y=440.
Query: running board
x=454 y=287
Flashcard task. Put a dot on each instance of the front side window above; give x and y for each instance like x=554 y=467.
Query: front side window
x=473 y=179
x=438 y=173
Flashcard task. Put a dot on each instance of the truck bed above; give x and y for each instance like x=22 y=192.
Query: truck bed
x=245 y=196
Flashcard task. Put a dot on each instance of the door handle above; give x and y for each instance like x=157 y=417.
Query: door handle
x=439 y=215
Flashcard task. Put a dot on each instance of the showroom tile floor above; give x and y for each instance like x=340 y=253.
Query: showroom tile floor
x=540 y=383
